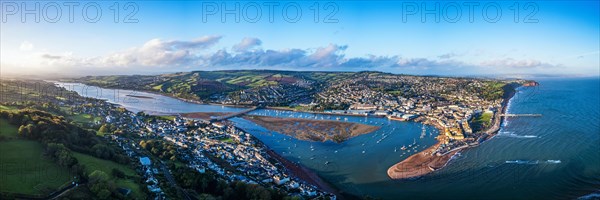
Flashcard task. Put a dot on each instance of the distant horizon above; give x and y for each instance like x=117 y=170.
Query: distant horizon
x=491 y=76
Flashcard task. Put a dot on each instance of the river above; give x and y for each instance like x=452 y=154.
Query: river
x=556 y=156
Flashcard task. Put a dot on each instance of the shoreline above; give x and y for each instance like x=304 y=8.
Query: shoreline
x=156 y=93
x=425 y=162
x=299 y=171
x=303 y=173
x=320 y=112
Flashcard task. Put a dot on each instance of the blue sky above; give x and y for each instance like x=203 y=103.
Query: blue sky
x=561 y=38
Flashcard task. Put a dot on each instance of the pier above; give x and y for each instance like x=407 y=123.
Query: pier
x=521 y=115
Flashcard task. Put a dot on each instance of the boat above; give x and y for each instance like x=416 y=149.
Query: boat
x=395 y=118
x=403 y=148
x=363 y=151
x=326 y=162
x=395 y=149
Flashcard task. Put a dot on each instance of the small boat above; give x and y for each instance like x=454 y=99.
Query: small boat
x=326 y=162
x=363 y=151
x=403 y=148
x=395 y=149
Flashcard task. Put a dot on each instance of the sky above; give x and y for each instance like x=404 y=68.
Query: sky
x=471 y=38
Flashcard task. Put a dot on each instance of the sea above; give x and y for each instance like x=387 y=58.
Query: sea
x=555 y=156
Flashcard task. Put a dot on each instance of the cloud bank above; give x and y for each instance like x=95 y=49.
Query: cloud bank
x=197 y=54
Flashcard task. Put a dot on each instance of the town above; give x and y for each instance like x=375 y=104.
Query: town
x=463 y=109
x=227 y=153
x=220 y=147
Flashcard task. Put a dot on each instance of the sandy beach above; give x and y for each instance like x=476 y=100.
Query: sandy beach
x=419 y=164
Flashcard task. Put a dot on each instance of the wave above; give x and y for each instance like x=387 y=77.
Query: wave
x=532 y=162
x=595 y=195
x=510 y=134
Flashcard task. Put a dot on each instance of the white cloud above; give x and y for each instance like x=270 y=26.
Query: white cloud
x=182 y=55
x=26 y=46
x=154 y=53
x=513 y=63
x=247 y=44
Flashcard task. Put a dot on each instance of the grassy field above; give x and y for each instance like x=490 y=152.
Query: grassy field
x=227 y=140
x=7 y=108
x=7 y=130
x=92 y=164
x=485 y=118
x=480 y=122
x=167 y=117
x=84 y=118
x=24 y=170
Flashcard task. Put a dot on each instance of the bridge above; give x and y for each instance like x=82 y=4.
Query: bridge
x=521 y=115
x=224 y=117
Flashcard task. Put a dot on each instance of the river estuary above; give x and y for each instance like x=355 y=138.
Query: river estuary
x=556 y=156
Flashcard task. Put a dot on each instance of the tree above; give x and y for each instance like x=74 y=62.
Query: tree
x=103 y=194
x=103 y=129
x=21 y=130
x=118 y=173
x=100 y=185
x=26 y=130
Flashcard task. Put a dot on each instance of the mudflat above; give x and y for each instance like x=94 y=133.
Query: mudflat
x=313 y=130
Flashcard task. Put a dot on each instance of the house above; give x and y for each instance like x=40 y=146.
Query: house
x=278 y=180
x=380 y=113
x=145 y=161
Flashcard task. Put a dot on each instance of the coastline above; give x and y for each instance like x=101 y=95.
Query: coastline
x=416 y=165
x=303 y=173
x=425 y=162
x=155 y=93
x=299 y=171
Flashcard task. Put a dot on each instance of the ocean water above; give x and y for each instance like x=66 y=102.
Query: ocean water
x=556 y=156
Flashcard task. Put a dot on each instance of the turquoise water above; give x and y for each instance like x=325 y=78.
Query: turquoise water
x=556 y=156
